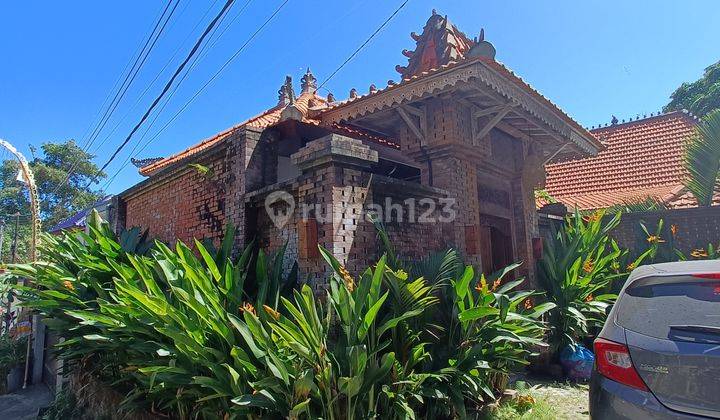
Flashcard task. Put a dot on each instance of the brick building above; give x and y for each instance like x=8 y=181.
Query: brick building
x=455 y=147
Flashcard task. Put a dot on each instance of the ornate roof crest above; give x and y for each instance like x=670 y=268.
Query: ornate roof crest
x=440 y=43
x=308 y=83
x=286 y=94
x=141 y=163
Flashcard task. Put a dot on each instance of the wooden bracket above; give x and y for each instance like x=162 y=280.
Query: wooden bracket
x=419 y=128
x=500 y=112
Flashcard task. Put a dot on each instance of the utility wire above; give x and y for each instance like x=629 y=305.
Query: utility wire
x=120 y=77
x=217 y=73
x=133 y=73
x=125 y=85
x=167 y=87
x=198 y=57
x=367 y=41
x=157 y=76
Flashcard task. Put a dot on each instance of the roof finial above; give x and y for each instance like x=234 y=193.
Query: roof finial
x=286 y=94
x=330 y=97
x=373 y=88
x=614 y=120
x=353 y=93
x=308 y=83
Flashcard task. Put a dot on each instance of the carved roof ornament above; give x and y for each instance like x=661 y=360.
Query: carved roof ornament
x=308 y=83
x=330 y=97
x=373 y=88
x=440 y=43
x=141 y=163
x=353 y=93
x=286 y=94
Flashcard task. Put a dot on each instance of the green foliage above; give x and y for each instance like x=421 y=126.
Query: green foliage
x=639 y=206
x=64 y=406
x=524 y=404
x=577 y=270
x=700 y=97
x=659 y=245
x=159 y=326
x=702 y=159
x=12 y=353
x=50 y=170
x=203 y=335
x=479 y=330
x=544 y=196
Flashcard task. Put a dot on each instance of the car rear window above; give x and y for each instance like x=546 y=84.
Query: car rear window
x=652 y=305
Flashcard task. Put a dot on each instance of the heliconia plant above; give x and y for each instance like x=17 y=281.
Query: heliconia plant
x=203 y=333
x=578 y=269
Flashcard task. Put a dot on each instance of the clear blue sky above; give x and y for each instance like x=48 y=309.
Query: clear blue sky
x=59 y=60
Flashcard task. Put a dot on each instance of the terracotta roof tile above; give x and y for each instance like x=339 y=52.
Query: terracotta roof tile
x=641 y=159
x=305 y=102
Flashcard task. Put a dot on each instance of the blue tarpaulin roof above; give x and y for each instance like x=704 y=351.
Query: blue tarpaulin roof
x=78 y=219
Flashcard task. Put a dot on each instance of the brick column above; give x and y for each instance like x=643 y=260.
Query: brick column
x=331 y=192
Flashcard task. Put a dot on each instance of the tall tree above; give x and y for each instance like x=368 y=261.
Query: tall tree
x=58 y=198
x=700 y=97
x=702 y=159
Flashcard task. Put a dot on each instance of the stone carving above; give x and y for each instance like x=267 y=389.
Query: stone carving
x=440 y=43
x=308 y=83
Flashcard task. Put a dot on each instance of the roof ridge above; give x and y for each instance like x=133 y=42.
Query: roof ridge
x=682 y=112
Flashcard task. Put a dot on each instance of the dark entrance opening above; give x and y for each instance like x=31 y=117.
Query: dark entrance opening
x=496 y=249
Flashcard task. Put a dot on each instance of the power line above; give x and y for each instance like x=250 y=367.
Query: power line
x=125 y=85
x=167 y=87
x=120 y=76
x=217 y=73
x=157 y=76
x=364 y=44
x=367 y=41
x=344 y=63
x=202 y=54
x=130 y=77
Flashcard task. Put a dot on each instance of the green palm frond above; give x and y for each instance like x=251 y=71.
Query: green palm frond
x=702 y=159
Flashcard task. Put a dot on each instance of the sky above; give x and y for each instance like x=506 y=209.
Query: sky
x=59 y=61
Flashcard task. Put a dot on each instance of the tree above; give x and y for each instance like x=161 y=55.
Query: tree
x=700 y=97
x=702 y=159
x=60 y=196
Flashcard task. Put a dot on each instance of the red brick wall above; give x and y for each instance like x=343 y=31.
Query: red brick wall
x=187 y=206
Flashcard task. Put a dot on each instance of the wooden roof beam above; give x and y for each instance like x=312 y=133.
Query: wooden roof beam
x=419 y=129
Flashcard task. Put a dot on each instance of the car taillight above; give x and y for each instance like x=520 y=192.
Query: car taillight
x=613 y=362
x=714 y=276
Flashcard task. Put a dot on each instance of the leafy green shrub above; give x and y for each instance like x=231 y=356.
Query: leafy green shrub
x=480 y=329
x=156 y=326
x=64 y=406
x=12 y=354
x=200 y=334
x=577 y=270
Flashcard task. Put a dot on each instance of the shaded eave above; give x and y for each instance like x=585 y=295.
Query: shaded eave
x=531 y=113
